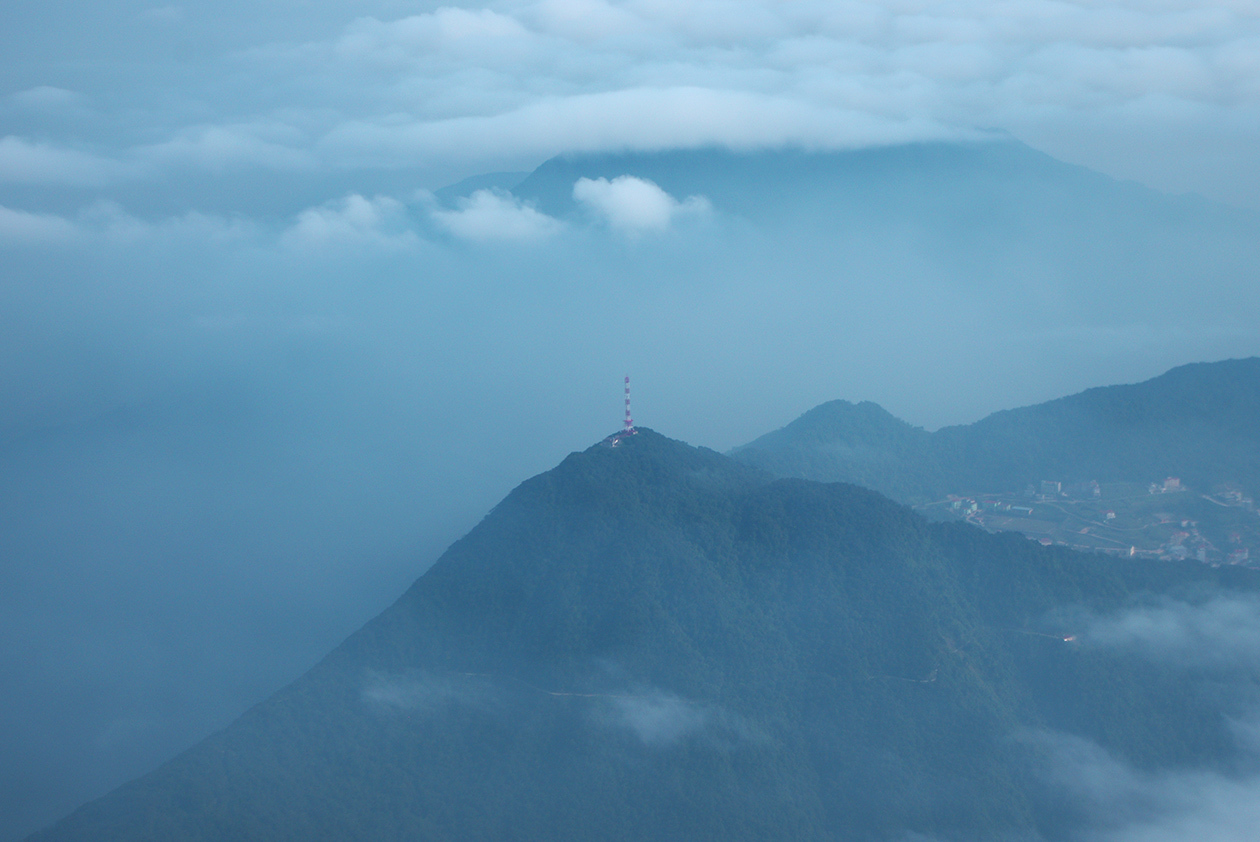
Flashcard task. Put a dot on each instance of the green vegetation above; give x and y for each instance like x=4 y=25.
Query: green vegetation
x=652 y=641
x=1198 y=423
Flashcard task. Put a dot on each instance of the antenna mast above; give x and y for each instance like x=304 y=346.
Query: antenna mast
x=629 y=429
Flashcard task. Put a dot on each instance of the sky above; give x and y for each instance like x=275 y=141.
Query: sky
x=258 y=374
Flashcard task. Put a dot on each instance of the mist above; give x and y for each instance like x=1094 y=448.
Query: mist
x=259 y=370
x=1211 y=638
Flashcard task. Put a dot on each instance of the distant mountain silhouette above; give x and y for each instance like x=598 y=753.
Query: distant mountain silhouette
x=965 y=188
x=1198 y=422
x=653 y=641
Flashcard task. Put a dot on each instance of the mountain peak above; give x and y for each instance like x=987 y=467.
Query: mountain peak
x=652 y=641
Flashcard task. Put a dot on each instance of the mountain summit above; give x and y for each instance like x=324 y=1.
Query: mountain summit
x=1200 y=422
x=653 y=641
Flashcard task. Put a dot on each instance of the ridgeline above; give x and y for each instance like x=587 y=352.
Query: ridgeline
x=654 y=641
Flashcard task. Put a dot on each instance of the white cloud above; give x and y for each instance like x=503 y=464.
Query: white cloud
x=1123 y=804
x=269 y=144
x=105 y=222
x=658 y=719
x=472 y=86
x=1126 y=804
x=418 y=692
x=354 y=220
x=634 y=204
x=46 y=98
x=27 y=162
x=22 y=227
x=639 y=118
x=1223 y=631
x=489 y=215
x=416 y=38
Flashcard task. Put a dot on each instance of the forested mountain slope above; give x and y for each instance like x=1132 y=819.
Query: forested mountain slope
x=653 y=641
x=1198 y=422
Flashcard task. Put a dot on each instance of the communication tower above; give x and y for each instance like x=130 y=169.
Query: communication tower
x=629 y=428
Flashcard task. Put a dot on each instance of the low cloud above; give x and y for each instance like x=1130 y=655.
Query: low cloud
x=415 y=38
x=108 y=222
x=494 y=215
x=1117 y=802
x=419 y=692
x=29 y=162
x=633 y=204
x=659 y=720
x=271 y=144
x=638 y=117
x=352 y=220
x=46 y=98
x=1220 y=632
x=18 y=226
x=1120 y=803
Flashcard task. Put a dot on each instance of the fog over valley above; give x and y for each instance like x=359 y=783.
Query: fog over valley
x=293 y=295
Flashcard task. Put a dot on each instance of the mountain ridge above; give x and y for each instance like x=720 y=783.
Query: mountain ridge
x=655 y=641
x=1199 y=421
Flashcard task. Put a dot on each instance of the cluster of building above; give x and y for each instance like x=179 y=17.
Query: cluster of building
x=1180 y=538
x=1169 y=486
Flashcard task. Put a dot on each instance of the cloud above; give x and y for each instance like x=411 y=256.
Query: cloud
x=1120 y=803
x=471 y=87
x=634 y=204
x=642 y=118
x=354 y=220
x=271 y=144
x=1220 y=632
x=27 y=162
x=46 y=98
x=659 y=719
x=419 y=692
x=415 y=38
x=107 y=222
x=22 y=227
x=492 y=215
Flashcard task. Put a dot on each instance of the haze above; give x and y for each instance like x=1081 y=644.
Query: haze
x=259 y=369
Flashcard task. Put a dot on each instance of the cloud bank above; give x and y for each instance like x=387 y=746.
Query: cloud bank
x=489 y=215
x=1220 y=635
x=461 y=89
x=633 y=204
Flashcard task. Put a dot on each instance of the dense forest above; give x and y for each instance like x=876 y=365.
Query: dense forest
x=654 y=641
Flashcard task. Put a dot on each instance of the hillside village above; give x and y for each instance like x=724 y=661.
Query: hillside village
x=1164 y=520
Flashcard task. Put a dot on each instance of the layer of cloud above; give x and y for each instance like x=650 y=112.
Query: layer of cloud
x=549 y=76
x=634 y=204
x=272 y=144
x=354 y=219
x=494 y=215
x=660 y=720
x=28 y=162
x=46 y=98
x=417 y=692
x=1121 y=803
x=107 y=222
x=1222 y=632
x=520 y=80
x=23 y=227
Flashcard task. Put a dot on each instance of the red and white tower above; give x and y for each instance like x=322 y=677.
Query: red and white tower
x=629 y=429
